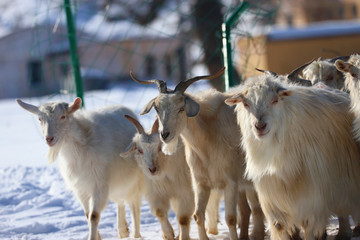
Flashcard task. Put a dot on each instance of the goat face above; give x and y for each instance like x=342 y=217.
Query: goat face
x=148 y=154
x=260 y=104
x=146 y=149
x=350 y=69
x=53 y=118
x=172 y=111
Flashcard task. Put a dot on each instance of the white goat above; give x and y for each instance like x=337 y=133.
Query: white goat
x=324 y=71
x=300 y=154
x=168 y=181
x=167 y=178
x=351 y=69
x=88 y=145
x=208 y=128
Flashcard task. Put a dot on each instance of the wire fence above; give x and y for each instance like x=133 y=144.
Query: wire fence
x=165 y=39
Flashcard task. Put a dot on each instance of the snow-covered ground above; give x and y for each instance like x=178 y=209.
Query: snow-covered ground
x=34 y=201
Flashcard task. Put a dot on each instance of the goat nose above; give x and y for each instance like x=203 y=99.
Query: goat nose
x=260 y=126
x=50 y=139
x=164 y=135
x=152 y=170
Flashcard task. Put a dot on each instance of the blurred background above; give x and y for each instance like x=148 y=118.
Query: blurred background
x=164 y=39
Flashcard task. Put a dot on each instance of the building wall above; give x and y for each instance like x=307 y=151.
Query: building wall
x=284 y=56
x=17 y=50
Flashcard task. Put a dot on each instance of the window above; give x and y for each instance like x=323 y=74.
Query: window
x=150 y=65
x=35 y=72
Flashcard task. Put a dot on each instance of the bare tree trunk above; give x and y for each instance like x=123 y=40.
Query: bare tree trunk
x=208 y=20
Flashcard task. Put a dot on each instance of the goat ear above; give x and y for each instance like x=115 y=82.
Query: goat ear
x=237 y=98
x=148 y=107
x=192 y=108
x=342 y=66
x=76 y=105
x=28 y=107
x=282 y=92
x=129 y=150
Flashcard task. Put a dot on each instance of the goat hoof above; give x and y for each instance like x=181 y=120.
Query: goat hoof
x=124 y=233
x=169 y=236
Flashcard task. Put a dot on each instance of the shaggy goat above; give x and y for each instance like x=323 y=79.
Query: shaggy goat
x=324 y=71
x=300 y=154
x=168 y=181
x=88 y=145
x=208 y=128
x=351 y=69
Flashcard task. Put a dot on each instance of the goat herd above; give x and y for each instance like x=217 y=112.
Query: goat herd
x=288 y=154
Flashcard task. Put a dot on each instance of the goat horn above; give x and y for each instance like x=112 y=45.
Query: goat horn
x=183 y=85
x=302 y=82
x=343 y=58
x=267 y=71
x=159 y=83
x=136 y=124
x=292 y=75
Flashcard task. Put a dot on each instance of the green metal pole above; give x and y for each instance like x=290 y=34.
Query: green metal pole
x=73 y=50
x=226 y=39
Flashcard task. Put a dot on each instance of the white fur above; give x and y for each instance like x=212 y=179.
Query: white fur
x=323 y=71
x=304 y=162
x=87 y=145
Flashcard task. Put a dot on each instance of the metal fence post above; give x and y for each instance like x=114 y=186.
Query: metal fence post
x=226 y=37
x=73 y=50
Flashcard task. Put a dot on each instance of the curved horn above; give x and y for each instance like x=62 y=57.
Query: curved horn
x=136 y=124
x=343 y=58
x=267 y=72
x=294 y=73
x=302 y=82
x=159 y=83
x=183 y=85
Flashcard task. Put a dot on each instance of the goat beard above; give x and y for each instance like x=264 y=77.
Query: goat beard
x=170 y=148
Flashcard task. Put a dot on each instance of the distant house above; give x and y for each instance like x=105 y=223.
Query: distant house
x=36 y=61
x=283 y=49
x=303 y=12
x=106 y=62
x=22 y=72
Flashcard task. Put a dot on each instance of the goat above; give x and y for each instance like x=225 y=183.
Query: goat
x=207 y=127
x=167 y=178
x=324 y=71
x=300 y=154
x=88 y=145
x=294 y=79
x=351 y=70
x=291 y=78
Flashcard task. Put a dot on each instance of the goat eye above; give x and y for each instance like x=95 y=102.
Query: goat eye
x=40 y=120
x=275 y=101
x=140 y=151
x=246 y=104
x=181 y=109
x=62 y=117
x=353 y=75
